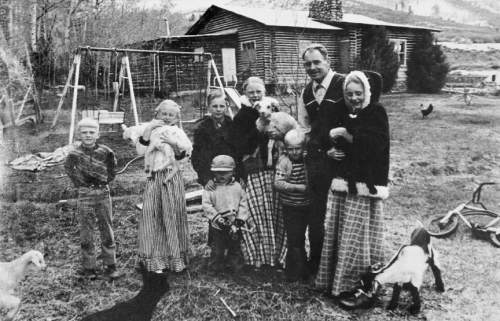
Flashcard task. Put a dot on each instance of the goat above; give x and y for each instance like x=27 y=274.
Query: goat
x=406 y=269
x=140 y=307
x=11 y=273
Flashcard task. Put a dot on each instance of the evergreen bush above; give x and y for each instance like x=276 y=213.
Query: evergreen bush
x=378 y=54
x=427 y=66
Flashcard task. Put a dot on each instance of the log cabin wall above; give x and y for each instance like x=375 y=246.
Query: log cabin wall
x=249 y=32
x=287 y=47
x=410 y=37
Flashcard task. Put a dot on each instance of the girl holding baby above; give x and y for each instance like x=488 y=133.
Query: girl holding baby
x=163 y=228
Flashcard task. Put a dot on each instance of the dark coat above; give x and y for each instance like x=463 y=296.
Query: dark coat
x=245 y=138
x=208 y=143
x=367 y=161
x=325 y=116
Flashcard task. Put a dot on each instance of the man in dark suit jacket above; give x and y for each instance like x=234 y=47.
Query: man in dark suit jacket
x=320 y=109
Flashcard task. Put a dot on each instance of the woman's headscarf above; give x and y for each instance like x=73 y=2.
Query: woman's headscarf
x=359 y=77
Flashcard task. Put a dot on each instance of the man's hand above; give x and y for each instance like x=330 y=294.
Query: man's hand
x=341 y=131
x=336 y=154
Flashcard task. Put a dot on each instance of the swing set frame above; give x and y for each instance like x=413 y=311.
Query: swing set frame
x=124 y=74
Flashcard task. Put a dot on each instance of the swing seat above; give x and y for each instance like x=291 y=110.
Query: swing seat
x=105 y=117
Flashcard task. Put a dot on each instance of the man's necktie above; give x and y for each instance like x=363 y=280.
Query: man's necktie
x=319 y=93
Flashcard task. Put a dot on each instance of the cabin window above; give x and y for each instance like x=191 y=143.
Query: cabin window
x=248 y=54
x=198 y=58
x=400 y=49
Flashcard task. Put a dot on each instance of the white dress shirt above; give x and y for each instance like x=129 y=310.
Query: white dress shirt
x=319 y=91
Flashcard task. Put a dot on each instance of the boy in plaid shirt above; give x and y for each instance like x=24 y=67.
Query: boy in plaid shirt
x=91 y=166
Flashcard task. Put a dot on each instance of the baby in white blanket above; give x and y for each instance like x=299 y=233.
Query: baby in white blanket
x=166 y=139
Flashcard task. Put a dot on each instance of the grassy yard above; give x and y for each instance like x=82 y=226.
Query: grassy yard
x=435 y=163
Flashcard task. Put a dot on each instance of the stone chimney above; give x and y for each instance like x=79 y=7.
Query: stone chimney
x=326 y=10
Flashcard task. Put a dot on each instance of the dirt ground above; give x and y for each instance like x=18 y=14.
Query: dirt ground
x=435 y=164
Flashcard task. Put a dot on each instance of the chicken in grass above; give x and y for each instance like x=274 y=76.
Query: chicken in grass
x=427 y=110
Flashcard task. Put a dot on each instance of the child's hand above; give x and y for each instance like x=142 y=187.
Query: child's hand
x=220 y=221
x=234 y=229
x=168 y=139
x=301 y=188
x=155 y=123
x=210 y=186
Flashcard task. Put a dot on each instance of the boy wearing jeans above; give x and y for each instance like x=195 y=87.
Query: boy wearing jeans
x=91 y=166
x=291 y=184
x=227 y=211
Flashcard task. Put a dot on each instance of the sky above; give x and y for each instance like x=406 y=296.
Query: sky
x=182 y=5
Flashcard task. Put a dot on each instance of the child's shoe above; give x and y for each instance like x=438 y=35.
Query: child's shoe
x=112 y=273
x=87 y=273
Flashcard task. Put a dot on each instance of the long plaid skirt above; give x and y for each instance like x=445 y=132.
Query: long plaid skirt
x=354 y=237
x=163 y=226
x=267 y=243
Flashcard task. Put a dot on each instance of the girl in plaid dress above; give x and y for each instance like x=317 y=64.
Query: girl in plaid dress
x=354 y=217
x=256 y=159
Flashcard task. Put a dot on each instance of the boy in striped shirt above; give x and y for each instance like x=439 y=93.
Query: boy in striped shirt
x=291 y=184
x=91 y=166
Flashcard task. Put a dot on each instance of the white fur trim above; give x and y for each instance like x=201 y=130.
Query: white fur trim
x=340 y=185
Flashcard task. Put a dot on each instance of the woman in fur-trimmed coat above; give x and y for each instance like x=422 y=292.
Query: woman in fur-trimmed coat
x=354 y=219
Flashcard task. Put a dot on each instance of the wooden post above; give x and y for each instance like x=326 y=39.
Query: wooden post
x=20 y=113
x=117 y=86
x=212 y=62
x=209 y=76
x=176 y=75
x=34 y=94
x=65 y=90
x=125 y=62
x=10 y=106
x=75 y=94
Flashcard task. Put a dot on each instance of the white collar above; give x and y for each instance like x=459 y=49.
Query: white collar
x=325 y=83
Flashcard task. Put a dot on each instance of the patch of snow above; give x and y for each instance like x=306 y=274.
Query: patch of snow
x=471 y=46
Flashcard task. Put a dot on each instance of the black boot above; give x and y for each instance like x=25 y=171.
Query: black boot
x=291 y=265
x=296 y=265
x=302 y=268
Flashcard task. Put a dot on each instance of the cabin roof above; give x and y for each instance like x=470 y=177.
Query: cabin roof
x=268 y=17
x=352 y=18
x=295 y=19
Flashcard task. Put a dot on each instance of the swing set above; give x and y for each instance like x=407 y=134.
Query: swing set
x=108 y=79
